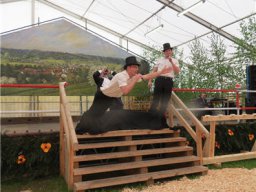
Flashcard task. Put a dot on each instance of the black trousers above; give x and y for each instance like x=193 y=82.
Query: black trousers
x=162 y=93
x=102 y=102
x=93 y=118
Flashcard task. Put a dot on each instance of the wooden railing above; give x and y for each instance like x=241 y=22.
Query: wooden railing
x=211 y=158
x=195 y=134
x=68 y=139
x=206 y=152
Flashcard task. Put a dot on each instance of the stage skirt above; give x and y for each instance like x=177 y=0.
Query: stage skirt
x=119 y=120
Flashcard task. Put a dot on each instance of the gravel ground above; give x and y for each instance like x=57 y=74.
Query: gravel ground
x=220 y=180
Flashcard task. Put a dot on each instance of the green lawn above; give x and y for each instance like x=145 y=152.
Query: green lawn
x=49 y=184
x=57 y=184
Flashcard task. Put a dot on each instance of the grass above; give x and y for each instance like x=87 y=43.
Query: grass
x=50 y=184
x=57 y=184
x=248 y=164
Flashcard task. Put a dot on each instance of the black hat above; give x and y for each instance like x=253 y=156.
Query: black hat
x=167 y=46
x=131 y=61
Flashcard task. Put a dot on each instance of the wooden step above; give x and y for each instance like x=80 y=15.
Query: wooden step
x=123 y=154
x=138 y=177
x=134 y=165
x=126 y=133
x=129 y=143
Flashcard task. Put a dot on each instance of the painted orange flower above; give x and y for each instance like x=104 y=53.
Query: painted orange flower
x=230 y=132
x=21 y=159
x=251 y=137
x=46 y=147
x=217 y=145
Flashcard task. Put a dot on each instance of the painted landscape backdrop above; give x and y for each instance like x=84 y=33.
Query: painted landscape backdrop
x=55 y=52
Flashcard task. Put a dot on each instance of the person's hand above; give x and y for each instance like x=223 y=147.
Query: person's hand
x=104 y=72
x=137 y=77
x=166 y=70
x=149 y=84
x=170 y=59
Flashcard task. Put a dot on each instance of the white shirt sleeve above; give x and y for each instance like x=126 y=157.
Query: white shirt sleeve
x=175 y=61
x=121 y=80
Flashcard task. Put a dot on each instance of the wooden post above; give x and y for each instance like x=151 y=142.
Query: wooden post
x=170 y=114
x=206 y=147
x=62 y=146
x=254 y=146
x=70 y=137
x=66 y=154
x=199 y=144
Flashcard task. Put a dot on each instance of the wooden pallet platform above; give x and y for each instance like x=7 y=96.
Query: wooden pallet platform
x=128 y=156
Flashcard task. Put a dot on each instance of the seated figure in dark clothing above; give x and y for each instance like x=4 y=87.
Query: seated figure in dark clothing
x=201 y=102
x=98 y=119
x=102 y=79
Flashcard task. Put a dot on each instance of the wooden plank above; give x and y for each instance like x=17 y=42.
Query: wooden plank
x=138 y=178
x=134 y=165
x=131 y=153
x=129 y=143
x=228 y=117
x=228 y=158
x=120 y=133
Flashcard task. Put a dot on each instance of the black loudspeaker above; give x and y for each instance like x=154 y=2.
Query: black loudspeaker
x=251 y=77
x=251 y=85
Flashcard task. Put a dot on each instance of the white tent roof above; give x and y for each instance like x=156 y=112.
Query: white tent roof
x=129 y=22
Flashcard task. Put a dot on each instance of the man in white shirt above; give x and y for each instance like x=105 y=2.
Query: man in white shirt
x=164 y=83
x=121 y=84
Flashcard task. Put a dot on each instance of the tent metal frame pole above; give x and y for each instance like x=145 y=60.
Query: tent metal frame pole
x=99 y=26
x=231 y=23
x=199 y=20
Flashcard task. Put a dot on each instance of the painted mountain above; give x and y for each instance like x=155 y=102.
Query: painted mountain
x=61 y=36
x=53 y=52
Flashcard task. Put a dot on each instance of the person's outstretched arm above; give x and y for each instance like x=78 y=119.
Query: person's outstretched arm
x=127 y=88
x=156 y=73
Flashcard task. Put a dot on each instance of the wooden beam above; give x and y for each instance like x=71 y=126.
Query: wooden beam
x=228 y=158
x=228 y=117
